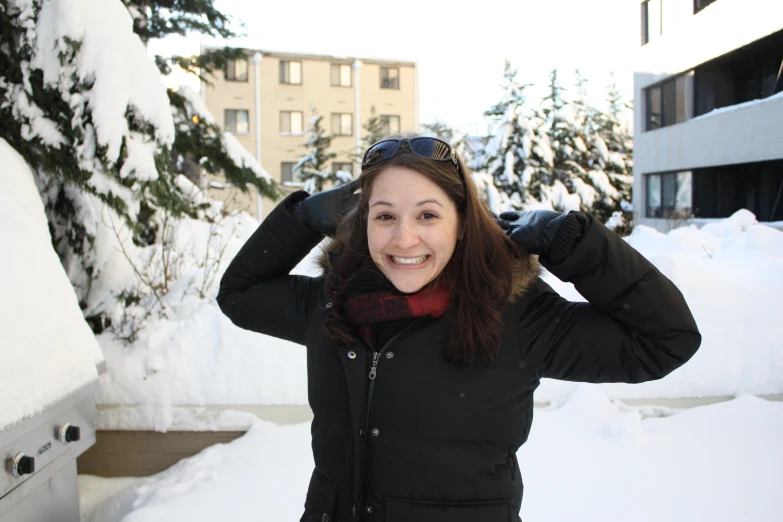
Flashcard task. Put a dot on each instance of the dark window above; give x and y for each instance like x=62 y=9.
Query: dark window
x=698 y=5
x=669 y=195
x=670 y=102
x=237 y=121
x=391 y=123
x=287 y=172
x=342 y=124
x=390 y=78
x=718 y=192
x=645 y=22
x=745 y=74
x=236 y=70
x=340 y=75
x=344 y=167
x=291 y=72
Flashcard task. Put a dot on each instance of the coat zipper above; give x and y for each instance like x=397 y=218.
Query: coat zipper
x=376 y=357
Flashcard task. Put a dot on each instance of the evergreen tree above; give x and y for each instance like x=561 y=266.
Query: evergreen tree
x=375 y=130
x=613 y=152
x=312 y=169
x=517 y=154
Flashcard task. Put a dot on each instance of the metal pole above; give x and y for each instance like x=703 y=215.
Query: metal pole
x=357 y=65
x=257 y=70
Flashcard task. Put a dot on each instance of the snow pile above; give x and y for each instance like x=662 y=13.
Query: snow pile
x=731 y=274
x=587 y=461
x=47 y=349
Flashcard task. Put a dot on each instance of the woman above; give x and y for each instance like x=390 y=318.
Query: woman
x=431 y=328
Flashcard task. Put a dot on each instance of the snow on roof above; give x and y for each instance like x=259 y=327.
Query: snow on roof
x=47 y=348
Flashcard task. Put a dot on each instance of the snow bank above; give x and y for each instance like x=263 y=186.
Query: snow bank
x=587 y=461
x=47 y=348
x=731 y=273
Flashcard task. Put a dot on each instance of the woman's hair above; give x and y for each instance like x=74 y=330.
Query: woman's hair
x=479 y=274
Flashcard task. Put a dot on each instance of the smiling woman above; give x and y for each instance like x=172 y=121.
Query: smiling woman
x=430 y=328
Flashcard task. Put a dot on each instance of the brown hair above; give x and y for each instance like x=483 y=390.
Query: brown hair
x=480 y=272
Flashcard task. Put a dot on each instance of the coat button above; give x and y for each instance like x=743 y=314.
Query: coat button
x=329 y=304
x=352 y=355
x=361 y=432
x=325 y=518
x=368 y=509
x=390 y=355
x=376 y=432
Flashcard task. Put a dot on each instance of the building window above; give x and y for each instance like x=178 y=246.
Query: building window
x=291 y=122
x=698 y=5
x=341 y=75
x=670 y=102
x=291 y=72
x=391 y=123
x=287 y=172
x=237 y=121
x=236 y=70
x=645 y=22
x=342 y=124
x=718 y=192
x=745 y=74
x=390 y=78
x=342 y=167
x=669 y=195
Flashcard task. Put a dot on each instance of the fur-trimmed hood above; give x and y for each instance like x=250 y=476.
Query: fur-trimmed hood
x=523 y=279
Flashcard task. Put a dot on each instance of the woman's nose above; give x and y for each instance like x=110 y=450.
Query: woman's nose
x=405 y=236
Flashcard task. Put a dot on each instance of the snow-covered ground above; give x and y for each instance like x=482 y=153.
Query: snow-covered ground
x=587 y=461
x=730 y=271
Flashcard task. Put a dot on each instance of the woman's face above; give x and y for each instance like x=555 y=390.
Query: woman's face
x=412 y=228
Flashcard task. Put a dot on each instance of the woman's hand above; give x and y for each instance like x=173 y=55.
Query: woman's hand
x=322 y=211
x=544 y=232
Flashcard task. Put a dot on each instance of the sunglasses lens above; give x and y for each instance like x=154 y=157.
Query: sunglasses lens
x=431 y=148
x=381 y=151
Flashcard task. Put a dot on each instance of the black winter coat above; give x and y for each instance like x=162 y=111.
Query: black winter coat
x=429 y=441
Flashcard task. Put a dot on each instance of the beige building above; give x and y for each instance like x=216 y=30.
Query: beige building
x=267 y=102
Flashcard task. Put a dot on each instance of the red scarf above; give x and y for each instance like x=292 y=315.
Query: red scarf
x=372 y=299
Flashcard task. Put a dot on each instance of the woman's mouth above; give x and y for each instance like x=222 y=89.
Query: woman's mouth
x=409 y=261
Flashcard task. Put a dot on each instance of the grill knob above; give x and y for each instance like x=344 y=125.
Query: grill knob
x=69 y=433
x=22 y=465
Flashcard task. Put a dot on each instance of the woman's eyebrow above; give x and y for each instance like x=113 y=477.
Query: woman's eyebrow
x=420 y=203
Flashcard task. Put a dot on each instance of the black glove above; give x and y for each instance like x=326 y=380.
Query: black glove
x=549 y=234
x=322 y=211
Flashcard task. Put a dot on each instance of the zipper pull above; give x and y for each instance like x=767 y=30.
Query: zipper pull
x=374 y=370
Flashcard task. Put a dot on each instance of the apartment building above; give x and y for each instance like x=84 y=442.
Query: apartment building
x=708 y=130
x=267 y=101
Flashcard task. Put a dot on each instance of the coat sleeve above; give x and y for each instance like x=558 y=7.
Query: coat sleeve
x=257 y=293
x=635 y=327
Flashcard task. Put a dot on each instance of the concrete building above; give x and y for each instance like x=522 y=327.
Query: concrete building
x=267 y=102
x=708 y=129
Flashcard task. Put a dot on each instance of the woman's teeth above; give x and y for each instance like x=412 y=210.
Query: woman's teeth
x=409 y=260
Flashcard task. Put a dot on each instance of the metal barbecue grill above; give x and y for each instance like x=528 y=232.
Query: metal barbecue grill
x=38 y=482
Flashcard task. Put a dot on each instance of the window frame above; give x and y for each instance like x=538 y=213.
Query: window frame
x=226 y=120
x=285 y=71
x=340 y=115
x=301 y=122
x=384 y=68
x=697 y=9
x=339 y=75
x=646 y=22
x=291 y=181
x=384 y=118
x=674 y=179
x=231 y=66
x=683 y=88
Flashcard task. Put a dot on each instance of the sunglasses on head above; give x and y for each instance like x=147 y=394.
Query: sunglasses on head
x=430 y=148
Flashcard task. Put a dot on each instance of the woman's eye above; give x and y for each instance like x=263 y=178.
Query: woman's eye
x=428 y=215
x=384 y=217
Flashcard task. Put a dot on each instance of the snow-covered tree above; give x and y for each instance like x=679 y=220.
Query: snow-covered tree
x=612 y=152
x=517 y=154
x=312 y=169
x=102 y=138
x=463 y=143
